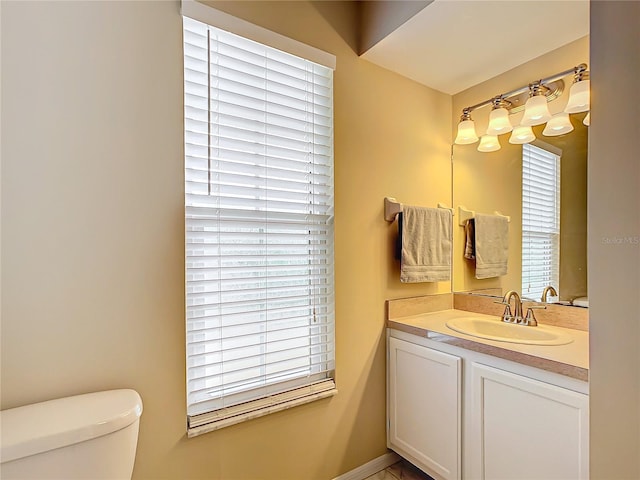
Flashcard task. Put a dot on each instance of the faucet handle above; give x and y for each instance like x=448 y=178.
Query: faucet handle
x=507 y=316
x=530 y=319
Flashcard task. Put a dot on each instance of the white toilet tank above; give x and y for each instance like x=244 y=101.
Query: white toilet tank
x=91 y=436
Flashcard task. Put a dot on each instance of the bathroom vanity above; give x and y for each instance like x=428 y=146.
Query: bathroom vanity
x=464 y=407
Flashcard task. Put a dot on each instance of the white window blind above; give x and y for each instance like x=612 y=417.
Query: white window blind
x=259 y=226
x=540 y=220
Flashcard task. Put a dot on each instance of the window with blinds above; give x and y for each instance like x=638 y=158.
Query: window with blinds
x=540 y=220
x=259 y=227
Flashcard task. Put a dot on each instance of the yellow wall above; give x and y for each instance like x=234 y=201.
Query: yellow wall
x=573 y=209
x=92 y=227
x=488 y=182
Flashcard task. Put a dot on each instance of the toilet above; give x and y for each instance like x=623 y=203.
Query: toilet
x=90 y=436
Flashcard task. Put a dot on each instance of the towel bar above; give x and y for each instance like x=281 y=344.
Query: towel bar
x=464 y=215
x=392 y=208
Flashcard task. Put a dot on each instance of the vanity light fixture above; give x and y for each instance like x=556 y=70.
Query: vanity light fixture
x=534 y=99
x=489 y=143
x=466 y=130
x=558 y=125
x=499 y=122
x=579 y=93
x=522 y=134
x=536 y=110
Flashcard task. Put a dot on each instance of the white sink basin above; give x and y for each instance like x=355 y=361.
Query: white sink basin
x=506 y=332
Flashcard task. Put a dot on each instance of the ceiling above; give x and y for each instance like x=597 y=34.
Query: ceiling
x=452 y=45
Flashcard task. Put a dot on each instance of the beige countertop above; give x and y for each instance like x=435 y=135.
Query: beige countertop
x=571 y=359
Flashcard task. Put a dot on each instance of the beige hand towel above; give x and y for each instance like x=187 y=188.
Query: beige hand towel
x=492 y=245
x=470 y=239
x=426 y=245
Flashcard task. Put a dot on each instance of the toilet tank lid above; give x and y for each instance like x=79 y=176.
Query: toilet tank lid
x=44 y=426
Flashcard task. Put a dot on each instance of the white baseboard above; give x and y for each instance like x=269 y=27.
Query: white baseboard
x=369 y=468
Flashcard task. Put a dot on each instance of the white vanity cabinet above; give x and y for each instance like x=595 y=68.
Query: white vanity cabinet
x=524 y=428
x=457 y=413
x=424 y=407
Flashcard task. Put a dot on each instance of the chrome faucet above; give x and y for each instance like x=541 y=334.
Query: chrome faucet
x=548 y=290
x=516 y=317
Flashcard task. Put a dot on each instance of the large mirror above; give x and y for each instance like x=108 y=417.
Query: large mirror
x=493 y=182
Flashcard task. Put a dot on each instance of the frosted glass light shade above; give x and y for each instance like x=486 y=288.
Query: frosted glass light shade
x=466 y=133
x=489 y=143
x=522 y=134
x=578 y=97
x=499 y=122
x=536 y=111
x=558 y=125
x=587 y=119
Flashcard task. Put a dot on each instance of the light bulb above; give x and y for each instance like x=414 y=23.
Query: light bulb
x=587 y=119
x=489 y=143
x=536 y=111
x=466 y=133
x=499 y=122
x=522 y=134
x=578 y=97
x=558 y=125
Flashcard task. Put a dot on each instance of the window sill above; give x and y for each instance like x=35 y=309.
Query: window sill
x=276 y=406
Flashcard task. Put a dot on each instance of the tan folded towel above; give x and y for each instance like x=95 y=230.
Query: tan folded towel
x=492 y=245
x=470 y=239
x=426 y=245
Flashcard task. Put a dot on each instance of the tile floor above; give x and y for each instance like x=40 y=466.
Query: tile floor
x=402 y=470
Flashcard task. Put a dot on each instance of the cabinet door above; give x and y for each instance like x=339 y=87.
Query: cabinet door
x=527 y=429
x=424 y=407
